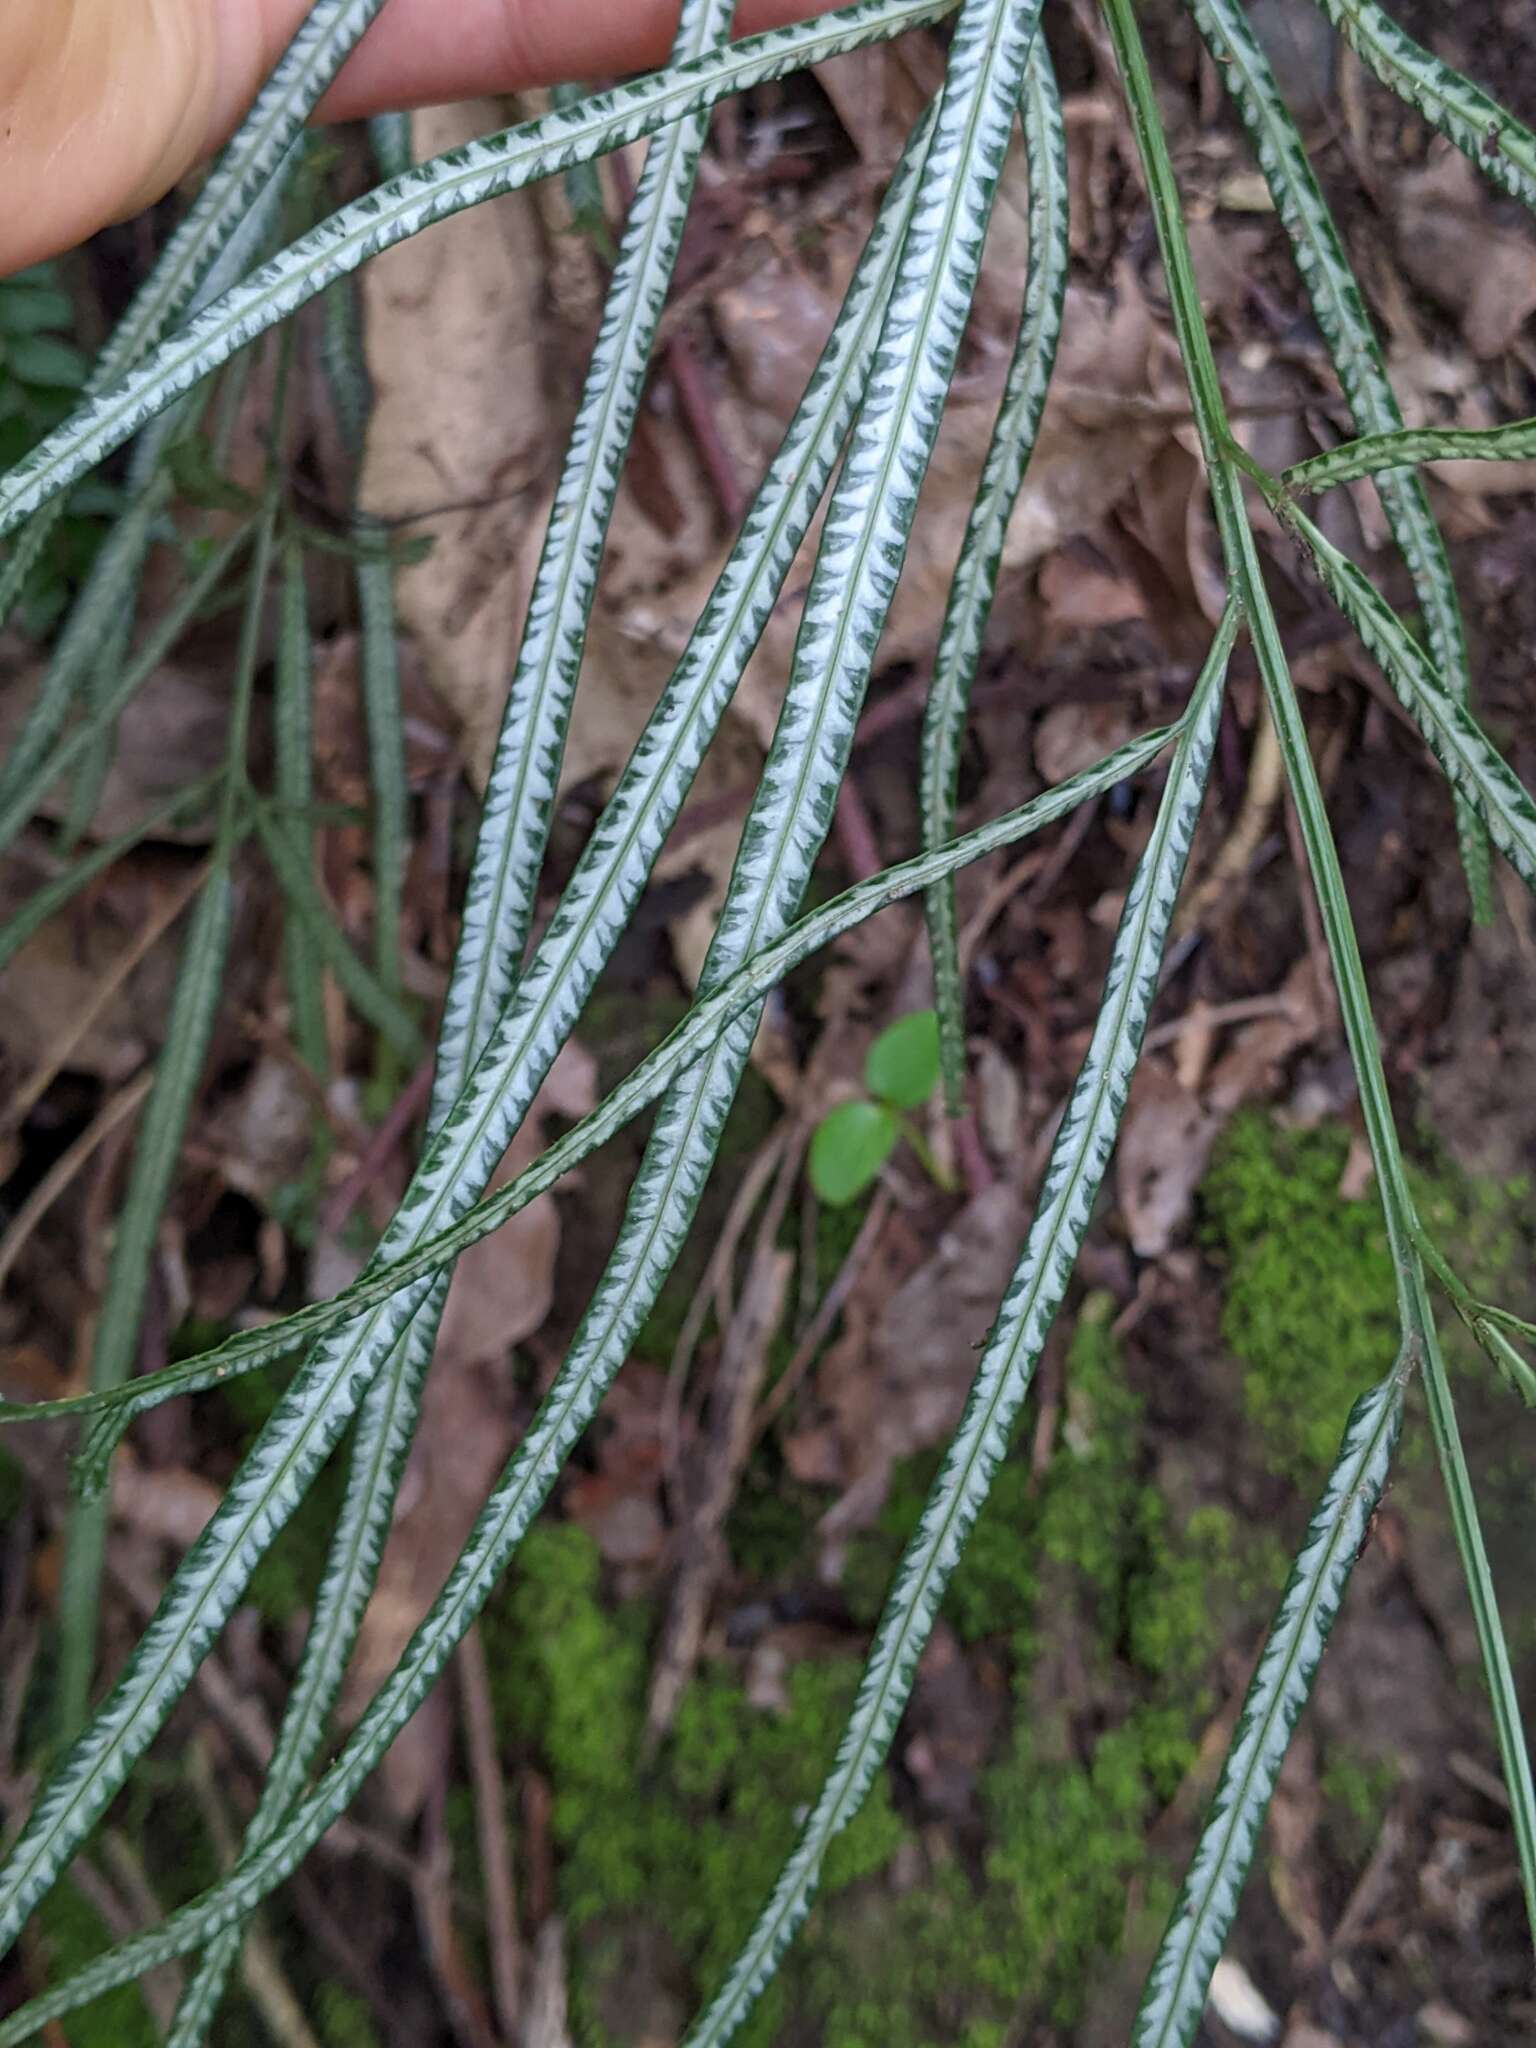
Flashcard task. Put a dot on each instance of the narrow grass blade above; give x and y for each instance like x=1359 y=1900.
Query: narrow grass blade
x=381 y=1442
x=1463 y=744
x=584 y=189
x=1515 y=1370
x=180 y=1067
x=23 y=554
x=387 y=800
x=981 y=551
x=1470 y=760
x=1501 y=147
x=1078 y=1161
x=379 y=665
x=21 y=801
x=1462 y=749
x=166 y=1659
x=293 y=743
x=631 y=1281
x=690 y=1119
x=1356 y=354
x=48 y=900
x=1515 y=441
x=359 y=983
x=241 y=179
x=520 y=790
x=863 y=542
x=1174 y=1999
x=392 y=213
x=91 y=775
x=96 y=615
x=390 y=138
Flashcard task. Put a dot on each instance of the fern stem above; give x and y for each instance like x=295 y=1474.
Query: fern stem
x=190 y=1026
x=1420 y=1346
x=981 y=553
x=1486 y=133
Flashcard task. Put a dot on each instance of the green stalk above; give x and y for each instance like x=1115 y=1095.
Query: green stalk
x=194 y=1006
x=1420 y=1345
x=379 y=665
x=1370 y=454
x=974 y=584
x=1358 y=362
x=293 y=742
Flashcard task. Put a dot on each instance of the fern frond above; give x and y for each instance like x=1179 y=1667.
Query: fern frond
x=981 y=552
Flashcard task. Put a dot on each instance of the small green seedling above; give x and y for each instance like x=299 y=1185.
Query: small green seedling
x=853 y=1141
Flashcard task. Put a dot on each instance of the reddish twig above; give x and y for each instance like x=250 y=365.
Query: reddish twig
x=376 y=1154
x=698 y=406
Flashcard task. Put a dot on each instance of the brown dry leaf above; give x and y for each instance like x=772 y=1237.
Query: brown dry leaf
x=1165 y=1142
x=924 y=1349
x=262 y=1133
x=1226 y=257
x=502 y=1286
x=167 y=1504
x=500 y=1294
x=461 y=418
x=1074 y=734
x=619 y=1504
x=1448 y=244
x=773 y=324
x=1444 y=388
x=877 y=95
x=1079 y=592
x=56 y=978
x=1254 y=1064
x=172 y=732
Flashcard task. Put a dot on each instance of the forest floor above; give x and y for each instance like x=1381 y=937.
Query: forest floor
x=655 y=1692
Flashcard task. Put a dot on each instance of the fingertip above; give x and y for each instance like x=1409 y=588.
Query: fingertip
x=105 y=108
x=420 y=53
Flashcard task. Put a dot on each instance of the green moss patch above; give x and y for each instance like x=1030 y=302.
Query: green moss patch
x=1310 y=1303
